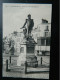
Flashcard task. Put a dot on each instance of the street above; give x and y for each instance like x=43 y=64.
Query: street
x=18 y=74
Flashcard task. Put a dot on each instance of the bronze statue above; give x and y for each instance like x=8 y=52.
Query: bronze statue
x=30 y=24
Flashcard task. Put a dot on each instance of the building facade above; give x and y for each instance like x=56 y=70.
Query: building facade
x=42 y=36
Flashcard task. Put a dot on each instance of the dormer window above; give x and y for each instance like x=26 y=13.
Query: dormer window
x=44 y=21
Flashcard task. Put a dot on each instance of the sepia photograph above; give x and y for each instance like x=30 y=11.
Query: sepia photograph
x=26 y=40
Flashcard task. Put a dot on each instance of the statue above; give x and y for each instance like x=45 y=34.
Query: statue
x=30 y=24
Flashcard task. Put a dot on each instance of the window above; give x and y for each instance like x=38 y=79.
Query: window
x=43 y=42
x=46 y=34
x=48 y=41
x=43 y=53
x=22 y=49
x=39 y=42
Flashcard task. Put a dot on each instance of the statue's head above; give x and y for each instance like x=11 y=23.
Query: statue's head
x=29 y=16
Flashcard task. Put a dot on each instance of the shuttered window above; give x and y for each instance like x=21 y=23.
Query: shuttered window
x=48 y=42
x=43 y=42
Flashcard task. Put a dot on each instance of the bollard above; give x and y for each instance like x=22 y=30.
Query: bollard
x=10 y=59
x=6 y=65
x=26 y=67
x=41 y=60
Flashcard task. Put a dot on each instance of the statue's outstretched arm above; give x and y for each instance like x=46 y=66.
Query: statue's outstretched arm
x=24 y=24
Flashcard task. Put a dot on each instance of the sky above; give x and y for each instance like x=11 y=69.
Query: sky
x=15 y=14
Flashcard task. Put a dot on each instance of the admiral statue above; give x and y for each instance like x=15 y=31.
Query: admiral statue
x=28 y=26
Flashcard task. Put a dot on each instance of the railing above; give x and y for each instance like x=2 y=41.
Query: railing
x=43 y=64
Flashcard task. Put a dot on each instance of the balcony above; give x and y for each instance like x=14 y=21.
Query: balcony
x=42 y=48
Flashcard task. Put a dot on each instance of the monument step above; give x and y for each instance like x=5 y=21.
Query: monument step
x=37 y=70
x=17 y=67
x=17 y=70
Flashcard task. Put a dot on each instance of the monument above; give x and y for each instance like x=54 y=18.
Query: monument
x=27 y=49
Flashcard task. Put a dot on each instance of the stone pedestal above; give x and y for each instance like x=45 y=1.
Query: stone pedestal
x=27 y=51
